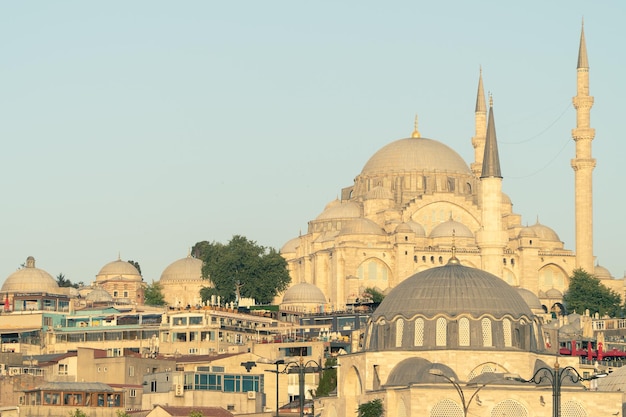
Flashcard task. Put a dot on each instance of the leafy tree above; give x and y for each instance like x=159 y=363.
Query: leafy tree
x=122 y=413
x=136 y=265
x=328 y=380
x=242 y=267
x=77 y=413
x=196 y=413
x=587 y=292
x=376 y=296
x=372 y=408
x=153 y=295
x=64 y=282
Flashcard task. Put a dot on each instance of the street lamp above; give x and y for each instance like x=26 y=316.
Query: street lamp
x=276 y=371
x=459 y=390
x=555 y=376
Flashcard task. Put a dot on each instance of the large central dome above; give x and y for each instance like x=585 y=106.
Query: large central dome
x=415 y=154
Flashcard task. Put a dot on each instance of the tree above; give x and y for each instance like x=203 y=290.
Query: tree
x=153 y=295
x=122 y=413
x=372 y=408
x=136 y=265
x=77 y=413
x=328 y=380
x=587 y=292
x=196 y=413
x=242 y=266
x=64 y=282
x=376 y=296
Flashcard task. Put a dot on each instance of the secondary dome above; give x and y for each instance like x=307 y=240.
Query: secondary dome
x=545 y=233
x=118 y=268
x=186 y=269
x=348 y=209
x=31 y=280
x=452 y=289
x=415 y=154
x=451 y=228
x=304 y=293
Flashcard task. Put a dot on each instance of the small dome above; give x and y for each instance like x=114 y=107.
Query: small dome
x=554 y=293
x=416 y=370
x=343 y=210
x=291 y=246
x=304 y=293
x=119 y=268
x=404 y=228
x=99 y=295
x=506 y=199
x=415 y=154
x=545 y=233
x=451 y=228
x=602 y=273
x=531 y=299
x=31 y=280
x=361 y=227
x=379 y=193
x=527 y=232
x=185 y=269
x=411 y=227
x=452 y=289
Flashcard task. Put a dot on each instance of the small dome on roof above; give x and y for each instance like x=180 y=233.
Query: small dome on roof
x=506 y=199
x=361 y=227
x=411 y=227
x=99 y=295
x=451 y=228
x=416 y=370
x=343 y=210
x=601 y=272
x=545 y=233
x=119 y=268
x=185 y=269
x=527 y=232
x=304 y=293
x=291 y=246
x=554 y=293
x=531 y=299
x=31 y=280
x=404 y=228
x=379 y=193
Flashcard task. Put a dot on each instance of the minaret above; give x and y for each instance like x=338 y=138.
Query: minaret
x=480 y=123
x=583 y=163
x=491 y=238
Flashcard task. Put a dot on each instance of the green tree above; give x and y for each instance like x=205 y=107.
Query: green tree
x=242 y=267
x=136 y=265
x=376 y=296
x=64 y=282
x=153 y=295
x=77 y=413
x=328 y=380
x=196 y=413
x=122 y=413
x=587 y=292
x=372 y=408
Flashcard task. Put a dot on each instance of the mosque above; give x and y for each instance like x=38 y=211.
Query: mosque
x=416 y=198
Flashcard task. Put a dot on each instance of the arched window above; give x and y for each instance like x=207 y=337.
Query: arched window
x=464 y=332
x=399 y=332
x=419 y=332
x=487 y=338
x=506 y=328
x=442 y=330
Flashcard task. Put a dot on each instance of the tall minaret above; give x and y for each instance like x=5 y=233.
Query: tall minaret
x=480 y=123
x=583 y=163
x=492 y=238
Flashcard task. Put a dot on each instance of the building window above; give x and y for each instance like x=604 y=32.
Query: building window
x=399 y=332
x=464 y=332
x=442 y=330
x=62 y=369
x=132 y=393
x=131 y=370
x=487 y=338
x=506 y=328
x=419 y=332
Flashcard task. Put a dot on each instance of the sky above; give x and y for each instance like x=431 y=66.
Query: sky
x=136 y=129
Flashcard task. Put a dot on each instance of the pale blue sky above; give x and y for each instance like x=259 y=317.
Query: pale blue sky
x=142 y=127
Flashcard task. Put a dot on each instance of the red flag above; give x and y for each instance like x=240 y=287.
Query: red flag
x=599 y=351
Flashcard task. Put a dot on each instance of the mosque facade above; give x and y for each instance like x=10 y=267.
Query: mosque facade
x=416 y=198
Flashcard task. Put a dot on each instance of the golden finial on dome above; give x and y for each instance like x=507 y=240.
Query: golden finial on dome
x=453 y=260
x=416 y=133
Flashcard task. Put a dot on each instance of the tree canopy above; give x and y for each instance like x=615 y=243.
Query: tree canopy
x=372 y=408
x=242 y=268
x=136 y=265
x=587 y=292
x=328 y=380
x=64 y=282
x=153 y=295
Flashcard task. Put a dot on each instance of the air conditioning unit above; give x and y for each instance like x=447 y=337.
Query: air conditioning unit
x=251 y=395
x=179 y=391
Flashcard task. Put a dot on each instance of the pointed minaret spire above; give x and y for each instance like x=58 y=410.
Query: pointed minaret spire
x=582 y=49
x=416 y=133
x=480 y=122
x=491 y=158
x=583 y=162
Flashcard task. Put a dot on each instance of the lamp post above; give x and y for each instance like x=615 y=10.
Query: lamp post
x=466 y=403
x=555 y=376
x=276 y=371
